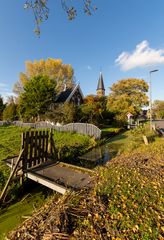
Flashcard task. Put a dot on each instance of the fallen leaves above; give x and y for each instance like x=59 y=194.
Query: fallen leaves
x=127 y=203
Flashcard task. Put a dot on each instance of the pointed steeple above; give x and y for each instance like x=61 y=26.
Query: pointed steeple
x=100 y=86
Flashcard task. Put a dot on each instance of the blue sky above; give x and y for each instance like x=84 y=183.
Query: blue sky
x=124 y=38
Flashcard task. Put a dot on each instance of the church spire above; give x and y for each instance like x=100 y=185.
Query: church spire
x=100 y=86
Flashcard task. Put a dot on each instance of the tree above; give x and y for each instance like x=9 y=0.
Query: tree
x=127 y=95
x=62 y=113
x=41 y=11
x=2 y=106
x=93 y=109
x=158 y=109
x=10 y=112
x=38 y=94
x=53 y=68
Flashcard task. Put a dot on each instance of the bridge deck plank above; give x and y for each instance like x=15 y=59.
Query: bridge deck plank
x=59 y=174
x=64 y=175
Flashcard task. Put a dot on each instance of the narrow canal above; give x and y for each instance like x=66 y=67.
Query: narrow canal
x=104 y=153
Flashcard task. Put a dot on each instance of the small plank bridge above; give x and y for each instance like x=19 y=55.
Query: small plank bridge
x=38 y=161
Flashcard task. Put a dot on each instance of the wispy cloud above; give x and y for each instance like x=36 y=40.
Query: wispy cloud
x=89 y=67
x=142 y=56
x=2 y=85
x=5 y=91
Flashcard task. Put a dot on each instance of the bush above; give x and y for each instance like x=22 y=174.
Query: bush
x=111 y=131
x=71 y=145
x=136 y=136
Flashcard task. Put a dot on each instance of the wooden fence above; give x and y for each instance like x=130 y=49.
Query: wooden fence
x=4 y=123
x=158 y=123
x=82 y=128
x=35 y=145
x=34 y=151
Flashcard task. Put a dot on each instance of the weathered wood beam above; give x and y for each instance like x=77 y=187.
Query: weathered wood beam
x=11 y=175
x=52 y=185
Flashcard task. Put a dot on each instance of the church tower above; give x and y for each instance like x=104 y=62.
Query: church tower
x=100 y=86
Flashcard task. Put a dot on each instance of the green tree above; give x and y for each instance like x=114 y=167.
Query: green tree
x=38 y=94
x=93 y=110
x=41 y=11
x=53 y=68
x=158 y=109
x=2 y=106
x=127 y=95
x=62 y=113
x=10 y=112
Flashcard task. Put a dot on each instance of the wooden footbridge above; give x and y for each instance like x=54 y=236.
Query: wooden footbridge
x=38 y=161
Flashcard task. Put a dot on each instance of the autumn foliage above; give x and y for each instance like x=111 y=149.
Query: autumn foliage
x=128 y=95
x=53 y=68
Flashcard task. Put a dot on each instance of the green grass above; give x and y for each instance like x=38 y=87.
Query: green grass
x=130 y=140
x=134 y=204
x=125 y=204
x=71 y=145
x=10 y=139
x=131 y=188
x=127 y=201
x=117 y=143
x=12 y=216
x=110 y=131
x=67 y=144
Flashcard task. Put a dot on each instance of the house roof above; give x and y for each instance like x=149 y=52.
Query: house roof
x=66 y=95
x=100 y=83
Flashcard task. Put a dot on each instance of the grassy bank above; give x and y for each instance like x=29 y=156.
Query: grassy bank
x=68 y=145
x=11 y=138
x=126 y=202
x=16 y=213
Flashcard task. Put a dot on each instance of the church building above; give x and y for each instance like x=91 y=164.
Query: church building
x=71 y=95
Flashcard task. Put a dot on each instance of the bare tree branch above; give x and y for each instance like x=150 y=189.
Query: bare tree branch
x=41 y=11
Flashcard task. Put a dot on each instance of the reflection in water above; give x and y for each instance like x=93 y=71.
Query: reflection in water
x=98 y=156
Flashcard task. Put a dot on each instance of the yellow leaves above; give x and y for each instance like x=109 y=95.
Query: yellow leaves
x=162 y=228
x=135 y=205
x=135 y=228
x=23 y=78
x=86 y=222
x=117 y=216
x=123 y=206
x=123 y=197
x=96 y=216
x=156 y=184
x=116 y=238
x=53 y=68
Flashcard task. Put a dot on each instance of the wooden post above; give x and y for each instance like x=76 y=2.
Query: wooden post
x=145 y=140
x=53 y=151
x=22 y=147
x=50 y=142
x=12 y=164
x=11 y=175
